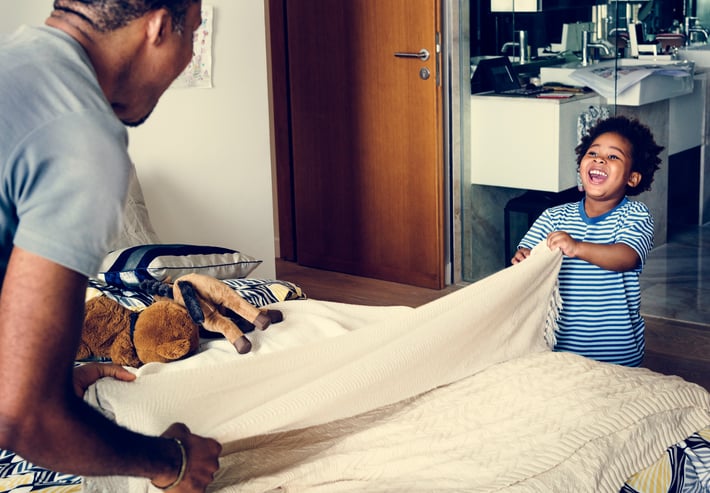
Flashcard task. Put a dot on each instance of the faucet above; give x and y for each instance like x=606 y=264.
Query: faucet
x=692 y=26
x=702 y=31
x=522 y=46
x=509 y=44
x=587 y=44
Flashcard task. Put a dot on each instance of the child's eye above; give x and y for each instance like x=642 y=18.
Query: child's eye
x=613 y=157
x=592 y=154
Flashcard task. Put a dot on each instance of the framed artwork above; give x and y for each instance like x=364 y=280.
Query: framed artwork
x=198 y=73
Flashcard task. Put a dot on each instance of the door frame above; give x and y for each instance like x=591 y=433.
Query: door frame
x=455 y=72
x=280 y=117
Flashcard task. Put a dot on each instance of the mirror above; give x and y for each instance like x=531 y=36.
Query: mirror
x=552 y=36
x=544 y=27
x=703 y=11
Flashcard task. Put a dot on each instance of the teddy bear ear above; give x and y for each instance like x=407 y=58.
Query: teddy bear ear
x=174 y=349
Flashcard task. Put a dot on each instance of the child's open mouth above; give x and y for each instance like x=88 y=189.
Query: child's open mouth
x=597 y=176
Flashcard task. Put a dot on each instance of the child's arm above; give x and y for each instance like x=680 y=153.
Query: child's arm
x=537 y=232
x=617 y=257
x=520 y=254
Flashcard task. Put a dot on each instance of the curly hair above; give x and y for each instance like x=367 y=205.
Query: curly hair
x=644 y=150
x=109 y=15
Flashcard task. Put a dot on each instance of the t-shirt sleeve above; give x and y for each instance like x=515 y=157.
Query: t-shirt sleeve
x=636 y=230
x=69 y=187
x=542 y=226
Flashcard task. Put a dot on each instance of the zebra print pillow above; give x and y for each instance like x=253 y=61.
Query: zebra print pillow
x=258 y=292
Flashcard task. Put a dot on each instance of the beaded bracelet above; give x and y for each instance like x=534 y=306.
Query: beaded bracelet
x=183 y=466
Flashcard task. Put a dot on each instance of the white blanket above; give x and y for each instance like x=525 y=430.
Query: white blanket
x=345 y=397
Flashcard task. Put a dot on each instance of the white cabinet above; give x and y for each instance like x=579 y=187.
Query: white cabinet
x=516 y=5
x=526 y=143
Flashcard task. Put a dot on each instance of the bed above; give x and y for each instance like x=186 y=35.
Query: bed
x=461 y=394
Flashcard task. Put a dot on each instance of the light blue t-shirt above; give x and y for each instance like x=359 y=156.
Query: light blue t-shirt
x=64 y=165
x=600 y=316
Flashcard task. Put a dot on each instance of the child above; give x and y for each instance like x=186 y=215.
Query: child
x=605 y=239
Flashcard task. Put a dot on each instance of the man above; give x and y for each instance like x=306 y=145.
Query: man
x=66 y=91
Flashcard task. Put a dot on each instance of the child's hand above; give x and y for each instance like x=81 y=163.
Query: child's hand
x=563 y=241
x=520 y=255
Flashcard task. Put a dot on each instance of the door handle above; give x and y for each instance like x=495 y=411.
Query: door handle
x=423 y=55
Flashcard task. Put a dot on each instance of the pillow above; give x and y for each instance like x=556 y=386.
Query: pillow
x=258 y=292
x=136 y=227
x=262 y=292
x=128 y=267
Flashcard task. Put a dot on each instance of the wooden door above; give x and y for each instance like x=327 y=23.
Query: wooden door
x=366 y=138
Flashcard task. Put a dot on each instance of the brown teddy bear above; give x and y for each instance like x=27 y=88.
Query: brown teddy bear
x=162 y=332
x=171 y=327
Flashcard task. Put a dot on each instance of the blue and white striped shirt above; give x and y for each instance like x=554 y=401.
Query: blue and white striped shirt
x=600 y=315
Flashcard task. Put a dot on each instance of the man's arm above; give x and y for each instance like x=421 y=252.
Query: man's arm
x=41 y=417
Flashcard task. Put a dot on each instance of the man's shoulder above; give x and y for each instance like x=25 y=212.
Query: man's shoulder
x=48 y=86
x=38 y=42
x=44 y=66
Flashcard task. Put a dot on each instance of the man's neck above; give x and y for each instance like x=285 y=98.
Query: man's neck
x=106 y=50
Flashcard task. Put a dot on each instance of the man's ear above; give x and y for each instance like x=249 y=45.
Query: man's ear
x=634 y=179
x=159 y=25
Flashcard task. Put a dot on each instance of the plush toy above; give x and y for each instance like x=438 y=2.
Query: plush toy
x=162 y=332
x=216 y=307
x=170 y=328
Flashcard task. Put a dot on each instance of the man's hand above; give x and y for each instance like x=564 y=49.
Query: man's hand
x=202 y=455
x=87 y=374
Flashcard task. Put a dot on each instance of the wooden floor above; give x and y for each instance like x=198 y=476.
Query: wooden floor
x=673 y=347
x=678 y=348
x=344 y=288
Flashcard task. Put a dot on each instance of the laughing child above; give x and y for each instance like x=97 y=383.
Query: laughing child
x=605 y=239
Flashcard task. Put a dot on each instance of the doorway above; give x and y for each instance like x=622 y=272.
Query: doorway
x=364 y=167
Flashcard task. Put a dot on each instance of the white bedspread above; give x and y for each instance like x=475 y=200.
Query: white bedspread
x=460 y=394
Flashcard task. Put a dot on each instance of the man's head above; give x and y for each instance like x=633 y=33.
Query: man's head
x=137 y=47
x=109 y=15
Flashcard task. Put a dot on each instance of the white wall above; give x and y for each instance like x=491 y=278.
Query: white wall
x=204 y=156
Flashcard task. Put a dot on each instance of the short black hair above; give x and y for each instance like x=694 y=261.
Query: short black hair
x=109 y=15
x=644 y=150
